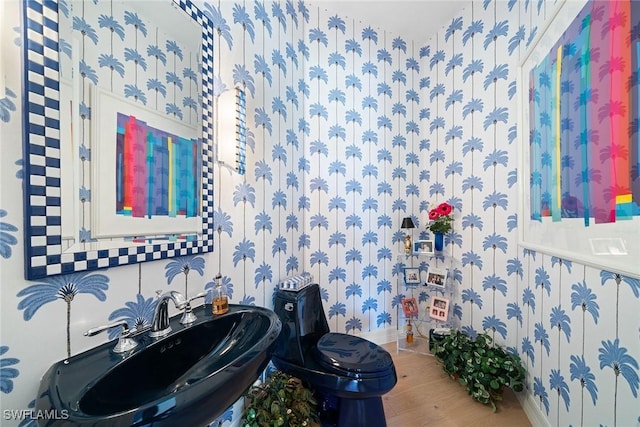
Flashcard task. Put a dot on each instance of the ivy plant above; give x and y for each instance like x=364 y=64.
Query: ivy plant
x=479 y=364
x=281 y=400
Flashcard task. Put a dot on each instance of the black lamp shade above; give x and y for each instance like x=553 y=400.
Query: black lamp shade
x=407 y=223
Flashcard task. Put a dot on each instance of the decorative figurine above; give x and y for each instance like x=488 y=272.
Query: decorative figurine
x=409 y=332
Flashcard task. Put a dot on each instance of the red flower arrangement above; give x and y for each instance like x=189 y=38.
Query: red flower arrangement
x=441 y=218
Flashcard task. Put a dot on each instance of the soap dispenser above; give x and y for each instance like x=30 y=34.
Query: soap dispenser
x=219 y=302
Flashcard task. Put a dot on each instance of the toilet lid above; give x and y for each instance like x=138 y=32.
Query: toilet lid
x=351 y=353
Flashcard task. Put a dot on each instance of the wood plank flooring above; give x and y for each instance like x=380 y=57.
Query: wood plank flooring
x=426 y=396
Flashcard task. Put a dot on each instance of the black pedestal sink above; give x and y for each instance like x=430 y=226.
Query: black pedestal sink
x=190 y=377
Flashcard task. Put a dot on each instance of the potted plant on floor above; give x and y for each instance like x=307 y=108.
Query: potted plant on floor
x=484 y=367
x=281 y=400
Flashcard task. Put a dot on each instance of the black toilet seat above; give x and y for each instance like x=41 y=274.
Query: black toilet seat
x=352 y=355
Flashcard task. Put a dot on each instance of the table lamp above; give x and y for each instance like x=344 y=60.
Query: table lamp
x=407 y=223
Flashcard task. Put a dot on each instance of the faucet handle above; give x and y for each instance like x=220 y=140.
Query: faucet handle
x=188 y=317
x=200 y=295
x=124 y=344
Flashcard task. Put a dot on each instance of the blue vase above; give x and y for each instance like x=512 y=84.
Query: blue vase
x=438 y=241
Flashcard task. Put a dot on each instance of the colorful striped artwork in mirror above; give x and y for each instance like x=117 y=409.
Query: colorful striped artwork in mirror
x=157 y=173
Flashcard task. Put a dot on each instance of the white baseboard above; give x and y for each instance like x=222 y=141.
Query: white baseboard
x=532 y=410
x=381 y=336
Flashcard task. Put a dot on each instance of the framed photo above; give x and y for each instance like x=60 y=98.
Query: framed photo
x=411 y=275
x=409 y=307
x=423 y=247
x=437 y=277
x=439 y=308
x=569 y=213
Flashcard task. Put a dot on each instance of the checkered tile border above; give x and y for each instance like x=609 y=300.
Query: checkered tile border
x=43 y=241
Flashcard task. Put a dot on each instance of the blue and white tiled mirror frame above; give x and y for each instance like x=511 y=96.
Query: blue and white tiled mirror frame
x=44 y=254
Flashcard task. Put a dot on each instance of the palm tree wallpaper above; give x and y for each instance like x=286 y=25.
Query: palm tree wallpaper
x=350 y=129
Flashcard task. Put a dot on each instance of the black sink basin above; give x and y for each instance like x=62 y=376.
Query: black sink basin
x=189 y=377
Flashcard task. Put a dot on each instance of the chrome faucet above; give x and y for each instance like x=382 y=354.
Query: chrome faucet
x=160 y=326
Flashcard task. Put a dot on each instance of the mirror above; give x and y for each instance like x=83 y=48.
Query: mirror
x=117 y=145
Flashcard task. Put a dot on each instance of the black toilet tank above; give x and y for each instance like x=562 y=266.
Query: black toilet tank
x=303 y=322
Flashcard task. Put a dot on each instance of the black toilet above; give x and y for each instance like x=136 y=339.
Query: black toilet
x=348 y=374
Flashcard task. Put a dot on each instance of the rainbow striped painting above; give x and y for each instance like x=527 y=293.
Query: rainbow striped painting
x=158 y=174
x=583 y=118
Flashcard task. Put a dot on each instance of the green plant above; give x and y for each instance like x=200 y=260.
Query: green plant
x=281 y=400
x=484 y=367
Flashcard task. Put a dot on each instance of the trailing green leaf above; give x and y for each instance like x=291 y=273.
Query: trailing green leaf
x=483 y=367
x=281 y=400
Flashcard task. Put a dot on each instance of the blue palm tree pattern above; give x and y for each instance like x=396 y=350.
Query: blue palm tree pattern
x=583 y=297
x=353 y=129
x=7 y=106
x=495 y=325
x=528 y=350
x=85 y=29
x=540 y=391
x=219 y=23
x=613 y=356
x=633 y=283
x=7 y=373
x=109 y=22
x=65 y=288
x=132 y=18
x=353 y=324
x=562 y=321
x=581 y=372
x=264 y=272
x=6 y=238
x=112 y=63
x=556 y=381
x=135 y=56
x=337 y=309
x=184 y=265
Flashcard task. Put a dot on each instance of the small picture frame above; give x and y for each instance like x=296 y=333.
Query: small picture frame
x=437 y=277
x=439 y=308
x=423 y=247
x=409 y=307
x=411 y=275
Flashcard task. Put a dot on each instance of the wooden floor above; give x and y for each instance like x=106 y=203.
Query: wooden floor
x=426 y=396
